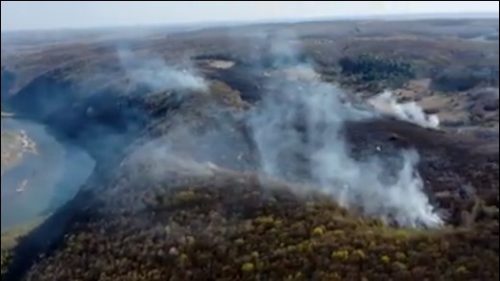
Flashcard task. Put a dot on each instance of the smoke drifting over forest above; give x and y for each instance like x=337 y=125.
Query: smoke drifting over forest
x=295 y=132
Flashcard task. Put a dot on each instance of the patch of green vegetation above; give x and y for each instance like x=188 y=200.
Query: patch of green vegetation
x=463 y=79
x=368 y=68
x=340 y=255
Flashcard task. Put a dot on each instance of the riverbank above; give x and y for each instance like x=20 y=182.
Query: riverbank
x=46 y=174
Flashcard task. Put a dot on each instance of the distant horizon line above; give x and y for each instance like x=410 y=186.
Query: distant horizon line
x=211 y=24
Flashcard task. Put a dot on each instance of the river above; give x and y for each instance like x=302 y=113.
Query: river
x=44 y=181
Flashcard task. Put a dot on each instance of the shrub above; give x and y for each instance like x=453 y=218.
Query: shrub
x=463 y=79
x=371 y=68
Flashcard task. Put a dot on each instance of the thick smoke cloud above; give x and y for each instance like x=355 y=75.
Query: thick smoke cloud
x=297 y=129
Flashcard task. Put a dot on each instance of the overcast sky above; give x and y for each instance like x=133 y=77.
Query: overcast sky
x=85 y=14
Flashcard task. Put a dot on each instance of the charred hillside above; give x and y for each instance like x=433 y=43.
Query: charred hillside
x=224 y=160
x=141 y=202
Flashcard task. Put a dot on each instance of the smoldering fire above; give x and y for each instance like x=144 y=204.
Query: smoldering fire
x=407 y=111
x=296 y=130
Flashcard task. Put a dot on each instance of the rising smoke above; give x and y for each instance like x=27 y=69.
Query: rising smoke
x=297 y=130
x=157 y=75
x=406 y=111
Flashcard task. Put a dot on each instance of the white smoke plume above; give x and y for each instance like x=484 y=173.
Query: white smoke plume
x=297 y=131
x=407 y=111
x=156 y=74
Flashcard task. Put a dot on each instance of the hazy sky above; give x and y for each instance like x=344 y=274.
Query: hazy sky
x=83 y=14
